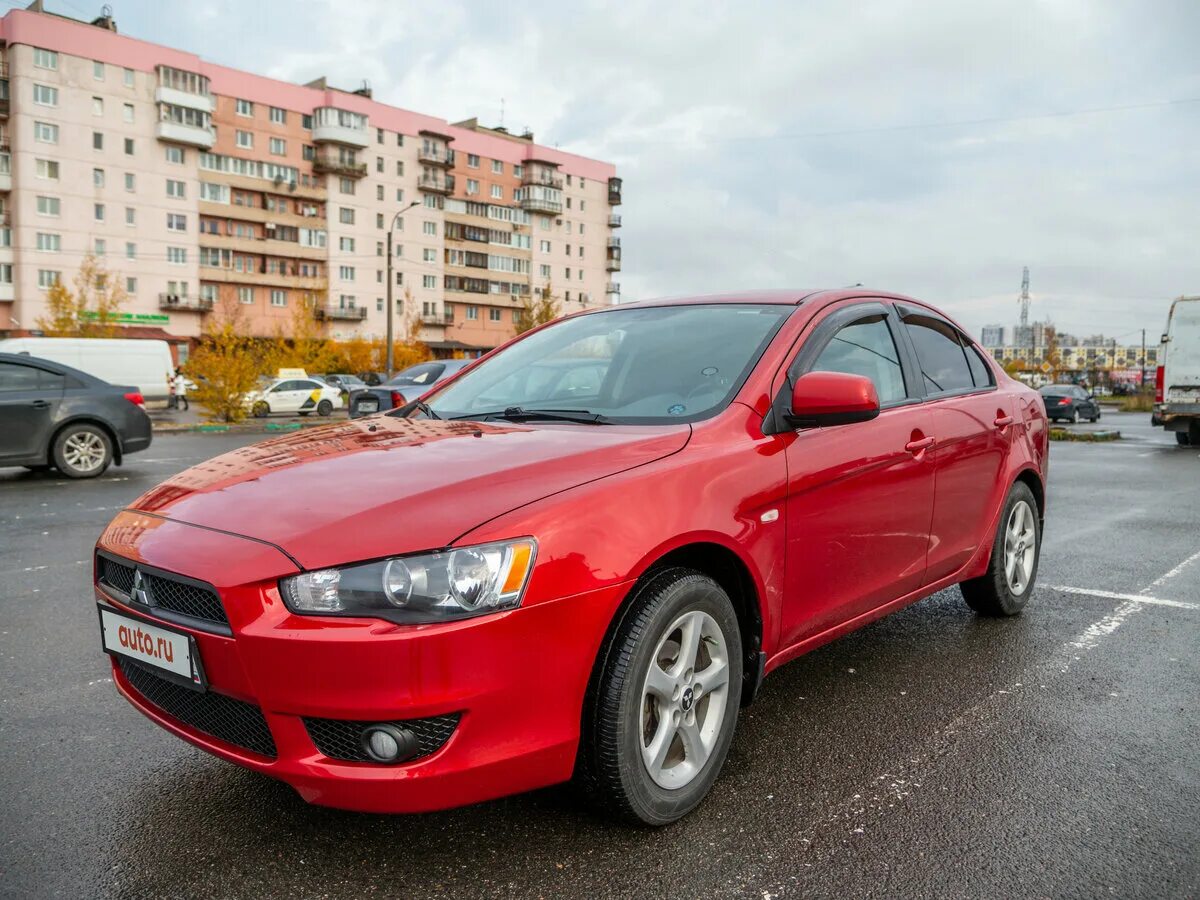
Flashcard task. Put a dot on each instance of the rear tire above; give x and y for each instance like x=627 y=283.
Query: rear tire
x=82 y=451
x=1012 y=570
x=324 y=408
x=664 y=704
x=1073 y=418
x=1183 y=439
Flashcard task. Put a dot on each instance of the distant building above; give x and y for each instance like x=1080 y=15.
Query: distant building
x=992 y=336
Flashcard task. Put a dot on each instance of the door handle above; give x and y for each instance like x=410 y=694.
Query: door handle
x=40 y=404
x=1003 y=421
x=915 y=447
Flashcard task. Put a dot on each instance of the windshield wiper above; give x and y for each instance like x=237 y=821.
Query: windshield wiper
x=520 y=414
x=425 y=408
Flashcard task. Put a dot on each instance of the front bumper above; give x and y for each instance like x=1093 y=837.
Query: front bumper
x=515 y=680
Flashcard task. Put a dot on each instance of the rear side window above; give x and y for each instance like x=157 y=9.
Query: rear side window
x=979 y=370
x=943 y=363
x=426 y=374
x=15 y=377
x=866 y=348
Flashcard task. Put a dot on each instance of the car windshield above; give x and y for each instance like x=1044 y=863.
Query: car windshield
x=641 y=365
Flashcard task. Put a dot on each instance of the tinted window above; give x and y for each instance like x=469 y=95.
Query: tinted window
x=286 y=386
x=18 y=378
x=979 y=370
x=866 y=348
x=423 y=374
x=943 y=365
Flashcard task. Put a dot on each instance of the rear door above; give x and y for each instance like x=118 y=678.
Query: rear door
x=860 y=497
x=972 y=430
x=29 y=401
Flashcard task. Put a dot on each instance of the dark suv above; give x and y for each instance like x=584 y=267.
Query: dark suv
x=53 y=415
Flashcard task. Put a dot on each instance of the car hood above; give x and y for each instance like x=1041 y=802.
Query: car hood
x=383 y=486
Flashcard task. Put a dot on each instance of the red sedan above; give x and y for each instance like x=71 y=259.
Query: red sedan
x=579 y=557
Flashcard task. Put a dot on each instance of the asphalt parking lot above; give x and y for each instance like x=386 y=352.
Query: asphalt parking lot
x=930 y=754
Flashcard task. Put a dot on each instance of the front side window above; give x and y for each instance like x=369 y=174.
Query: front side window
x=943 y=363
x=866 y=348
x=650 y=365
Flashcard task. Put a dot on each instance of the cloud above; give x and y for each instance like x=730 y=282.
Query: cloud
x=805 y=143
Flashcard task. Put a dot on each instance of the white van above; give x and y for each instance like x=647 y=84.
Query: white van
x=1177 y=381
x=142 y=364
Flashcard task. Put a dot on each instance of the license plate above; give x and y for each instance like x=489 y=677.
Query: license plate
x=371 y=405
x=171 y=653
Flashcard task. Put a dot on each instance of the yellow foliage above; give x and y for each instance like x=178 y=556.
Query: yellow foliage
x=91 y=310
x=537 y=311
x=226 y=365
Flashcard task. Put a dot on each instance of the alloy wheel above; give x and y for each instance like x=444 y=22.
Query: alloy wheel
x=84 y=451
x=684 y=696
x=1020 y=547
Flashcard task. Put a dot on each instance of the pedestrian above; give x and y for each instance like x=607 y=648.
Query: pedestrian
x=180 y=386
x=170 y=389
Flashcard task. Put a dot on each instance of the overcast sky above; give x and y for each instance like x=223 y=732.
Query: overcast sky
x=810 y=144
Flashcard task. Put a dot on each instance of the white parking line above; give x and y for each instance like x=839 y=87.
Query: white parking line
x=1111 y=595
x=1175 y=571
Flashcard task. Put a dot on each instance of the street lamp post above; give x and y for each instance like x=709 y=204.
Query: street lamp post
x=391 y=309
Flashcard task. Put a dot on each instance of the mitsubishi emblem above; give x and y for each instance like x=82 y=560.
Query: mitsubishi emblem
x=138 y=592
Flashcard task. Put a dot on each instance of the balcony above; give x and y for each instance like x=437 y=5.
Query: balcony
x=327 y=164
x=175 y=97
x=185 y=134
x=612 y=288
x=436 y=183
x=185 y=303
x=542 y=177
x=346 y=313
x=614 y=243
x=614 y=191
x=436 y=156
x=614 y=220
x=437 y=319
x=339 y=126
x=613 y=263
x=537 y=204
x=7 y=293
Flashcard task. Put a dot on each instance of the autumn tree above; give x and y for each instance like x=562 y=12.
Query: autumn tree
x=227 y=363
x=537 y=309
x=91 y=310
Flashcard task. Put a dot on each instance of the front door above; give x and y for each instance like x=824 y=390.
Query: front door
x=860 y=497
x=29 y=401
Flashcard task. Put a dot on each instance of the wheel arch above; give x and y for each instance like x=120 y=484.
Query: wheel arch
x=1033 y=481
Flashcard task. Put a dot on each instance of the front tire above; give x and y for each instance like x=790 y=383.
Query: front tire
x=1073 y=418
x=665 y=705
x=261 y=410
x=1012 y=570
x=82 y=451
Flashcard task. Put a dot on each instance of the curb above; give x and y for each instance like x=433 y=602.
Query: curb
x=1091 y=437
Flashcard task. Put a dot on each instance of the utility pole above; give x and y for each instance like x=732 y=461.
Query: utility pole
x=1142 y=361
x=391 y=308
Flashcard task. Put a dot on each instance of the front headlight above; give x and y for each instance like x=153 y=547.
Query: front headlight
x=427 y=587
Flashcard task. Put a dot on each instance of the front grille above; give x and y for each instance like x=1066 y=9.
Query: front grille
x=230 y=720
x=165 y=592
x=339 y=738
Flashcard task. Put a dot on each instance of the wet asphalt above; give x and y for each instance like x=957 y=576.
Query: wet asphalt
x=933 y=753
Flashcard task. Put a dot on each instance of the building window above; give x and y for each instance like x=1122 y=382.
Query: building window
x=128 y=78
x=309 y=152
x=400 y=167
x=346 y=215
x=544 y=246
x=98 y=212
x=49 y=206
x=245 y=140
x=127 y=112
x=45 y=132
x=177 y=256
x=175 y=155
x=278 y=298
x=399 y=140
x=176 y=222
x=100 y=247
x=473 y=160
x=545 y=271
x=44 y=95
x=346 y=273
x=519 y=171
x=346 y=244
x=49 y=243
x=429 y=281
x=47 y=168
x=278 y=116
x=378 y=220
x=130 y=250
x=131 y=286
x=98 y=178
x=379 y=192
x=399 y=195
x=98 y=71
x=279 y=146
x=176 y=189
x=97 y=140
x=129 y=146
x=245 y=108
x=379 y=164
x=97 y=106
x=245 y=295
x=429 y=254
x=45 y=59
x=306 y=121
x=494 y=314
x=130 y=182
x=47 y=278
x=472 y=186
x=429 y=227
x=346 y=185
x=497 y=192
x=472 y=312
x=497 y=167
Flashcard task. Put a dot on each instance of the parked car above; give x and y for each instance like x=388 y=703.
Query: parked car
x=54 y=415
x=294 y=395
x=1177 y=379
x=344 y=383
x=1069 y=403
x=145 y=365
x=511 y=586
x=404 y=387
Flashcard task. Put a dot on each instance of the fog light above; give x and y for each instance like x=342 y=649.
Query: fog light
x=388 y=743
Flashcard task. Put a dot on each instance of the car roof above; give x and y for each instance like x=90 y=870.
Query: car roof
x=786 y=297
x=51 y=366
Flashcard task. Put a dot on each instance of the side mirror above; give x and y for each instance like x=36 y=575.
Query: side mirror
x=832 y=398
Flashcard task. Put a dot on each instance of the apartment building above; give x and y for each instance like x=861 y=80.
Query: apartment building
x=205 y=188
